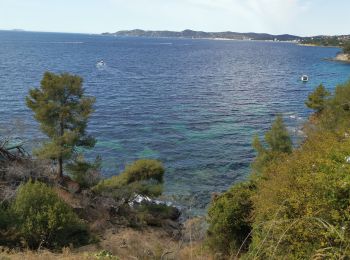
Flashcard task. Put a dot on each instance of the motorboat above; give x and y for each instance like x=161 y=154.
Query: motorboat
x=304 y=78
x=101 y=63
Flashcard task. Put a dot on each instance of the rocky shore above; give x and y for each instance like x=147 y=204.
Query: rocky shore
x=343 y=57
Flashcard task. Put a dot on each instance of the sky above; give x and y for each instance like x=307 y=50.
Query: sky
x=299 y=17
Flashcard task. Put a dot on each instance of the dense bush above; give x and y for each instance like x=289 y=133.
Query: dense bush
x=336 y=114
x=301 y=206
x=8 y=234
x=4 y=220
x=230 y=215
x=229 y=218
x=43 y=219
x=144 y=177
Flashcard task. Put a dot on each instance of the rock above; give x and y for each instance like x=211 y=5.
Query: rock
x=174 y=213
x=342 y=57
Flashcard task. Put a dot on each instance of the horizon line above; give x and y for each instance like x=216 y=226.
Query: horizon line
x=149 y=30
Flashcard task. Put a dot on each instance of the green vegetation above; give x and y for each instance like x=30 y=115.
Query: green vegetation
x=143 y=177
x=300 y=209
x=323 y=41
x=336 y=117
x=39 y=214
x=39 y=218
x=85 y=173
x=329 y=41
x=278 y=138
x=229 y=217
x=62 y=110
x=278 y=143
x=299 y=205
x=43 y=219
x=317 y=99
x=346 y=47
x=7 y=234
x=294 y=205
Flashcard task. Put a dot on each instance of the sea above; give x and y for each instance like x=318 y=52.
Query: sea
x=194 y=104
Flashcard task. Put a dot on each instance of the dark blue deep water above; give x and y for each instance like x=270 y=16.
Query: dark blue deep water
x=193 y=104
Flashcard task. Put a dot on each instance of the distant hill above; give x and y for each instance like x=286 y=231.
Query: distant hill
x=207 y=35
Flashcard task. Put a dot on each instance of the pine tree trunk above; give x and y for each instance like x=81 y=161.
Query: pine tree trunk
x=60 y=169
x=60 y=159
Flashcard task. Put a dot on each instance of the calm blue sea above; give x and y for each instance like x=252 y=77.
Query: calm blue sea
x=193 y=104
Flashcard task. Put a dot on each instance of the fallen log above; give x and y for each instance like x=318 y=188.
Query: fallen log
x=12 y=151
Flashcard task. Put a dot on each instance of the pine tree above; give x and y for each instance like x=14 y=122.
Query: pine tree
x=317 y=99
x=62 y=110
x=278 y=142
x=278 y=137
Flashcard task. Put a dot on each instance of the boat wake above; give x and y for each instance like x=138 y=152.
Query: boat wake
x=103 y=67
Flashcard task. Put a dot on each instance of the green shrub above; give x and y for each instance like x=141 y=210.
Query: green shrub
x=4 y=218
x=301 y=207
x=229 y=218
x=144 y=169
x=144 y=177
x=336 y=115
x=8 y=235
x=45 y=220
x=155 y=214
x=298 y=207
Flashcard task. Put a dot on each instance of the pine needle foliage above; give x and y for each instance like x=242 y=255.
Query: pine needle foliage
x=317 y=99
x=63 y=110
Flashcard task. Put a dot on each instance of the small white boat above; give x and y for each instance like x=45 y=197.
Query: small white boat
x=101 y=63
x=304 y=78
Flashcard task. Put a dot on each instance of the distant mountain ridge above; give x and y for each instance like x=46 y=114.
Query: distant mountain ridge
x=207 y=35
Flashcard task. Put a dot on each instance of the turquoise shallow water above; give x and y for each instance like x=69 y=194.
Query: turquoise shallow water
x=194 y=104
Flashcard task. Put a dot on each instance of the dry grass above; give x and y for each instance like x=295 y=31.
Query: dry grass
x=136 y=244
x=152 y=243
x=147 y=244
x=45 y=255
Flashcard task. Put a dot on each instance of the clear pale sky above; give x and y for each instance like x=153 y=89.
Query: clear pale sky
x=301 y=17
